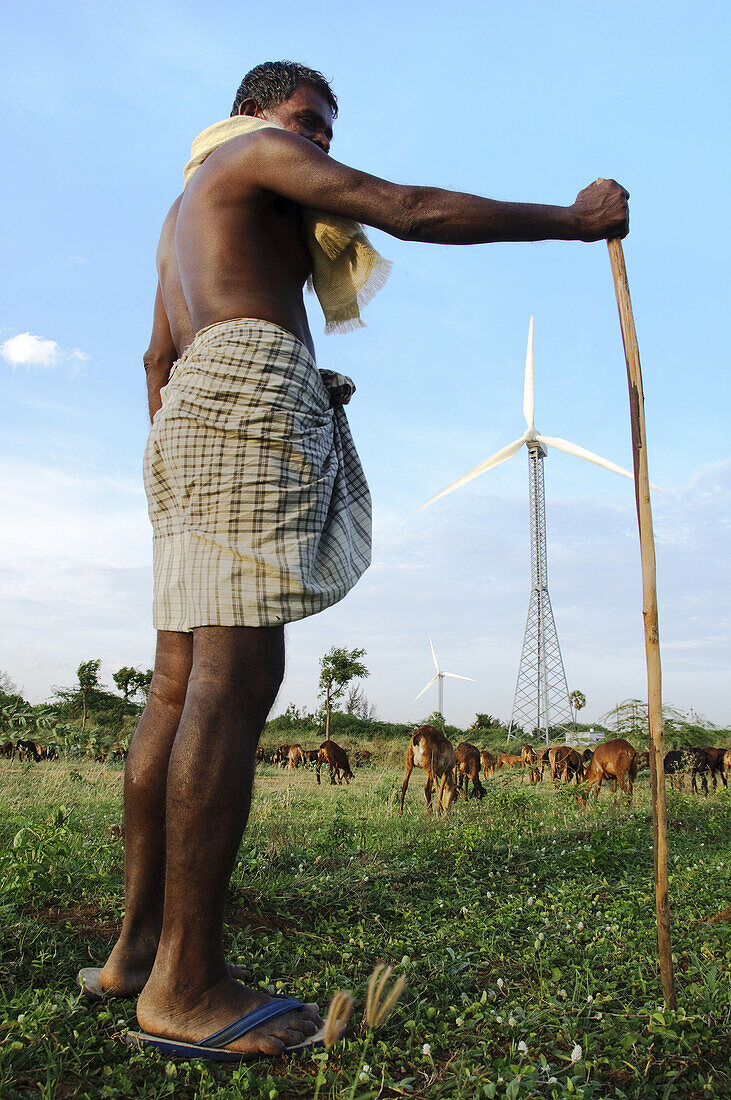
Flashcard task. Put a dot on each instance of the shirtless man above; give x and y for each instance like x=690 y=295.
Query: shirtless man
x=232 y=247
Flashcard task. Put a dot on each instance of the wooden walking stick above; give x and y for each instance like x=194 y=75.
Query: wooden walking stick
x=649 y=611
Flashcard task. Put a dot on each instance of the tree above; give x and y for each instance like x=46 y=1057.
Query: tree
x=485 y=722
x=578 y=702
x=126 y=680
x=356 y=704
x=337 y=668
x=88 y=676
x=7 y=685
x=131 y=681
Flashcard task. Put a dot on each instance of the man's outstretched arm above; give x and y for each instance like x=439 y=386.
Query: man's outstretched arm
x=160 y=355
x=291 y=166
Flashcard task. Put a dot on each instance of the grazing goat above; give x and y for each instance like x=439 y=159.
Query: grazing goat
x=467 y=767
x=488 y=763
x=715 y=763
x=337 y=760
x=616 y=760
x=506 y=760
x=311 y=756
x=295 y=756
x=260 y=756
x=280 y=755
x=529 y=759
x=678 y=761
x=430 y=750
x=361 y=757
x=566 y=764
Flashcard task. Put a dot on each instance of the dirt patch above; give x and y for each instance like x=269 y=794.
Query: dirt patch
x=241 y=915
x=88 y=921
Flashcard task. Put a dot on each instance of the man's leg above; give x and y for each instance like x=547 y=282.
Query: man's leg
x=234 y=680
x=145 y=778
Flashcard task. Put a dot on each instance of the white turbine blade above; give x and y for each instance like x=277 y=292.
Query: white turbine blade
x=495 y=460
x=456 y=676
x=425 y=688
x=580 y=452
x=433 y=653
x=528 y=400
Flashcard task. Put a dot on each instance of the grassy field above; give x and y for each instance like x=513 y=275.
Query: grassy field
x=523 y=923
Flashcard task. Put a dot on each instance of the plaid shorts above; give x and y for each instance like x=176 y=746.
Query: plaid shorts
x=259 y=506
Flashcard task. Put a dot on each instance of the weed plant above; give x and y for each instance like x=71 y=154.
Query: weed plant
x=524 y=925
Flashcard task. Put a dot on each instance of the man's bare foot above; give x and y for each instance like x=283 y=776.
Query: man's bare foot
x=193 y=1017
x=126 y=971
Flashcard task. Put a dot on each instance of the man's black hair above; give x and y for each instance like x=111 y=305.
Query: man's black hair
x=274 y=81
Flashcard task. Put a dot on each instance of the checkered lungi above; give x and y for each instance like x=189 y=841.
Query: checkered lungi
x=259 y=506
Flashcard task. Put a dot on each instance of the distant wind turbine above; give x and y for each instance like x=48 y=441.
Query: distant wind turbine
x=541 y=693
x=440 y=678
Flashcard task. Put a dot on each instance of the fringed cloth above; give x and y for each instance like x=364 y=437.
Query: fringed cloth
x=346 y=269
x=260 y=510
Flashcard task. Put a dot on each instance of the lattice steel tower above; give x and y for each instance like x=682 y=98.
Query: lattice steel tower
x=541 y=693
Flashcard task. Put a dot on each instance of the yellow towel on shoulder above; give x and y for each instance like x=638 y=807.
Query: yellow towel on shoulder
x=346 y=269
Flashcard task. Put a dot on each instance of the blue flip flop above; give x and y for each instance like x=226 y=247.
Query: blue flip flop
x=213 y=1048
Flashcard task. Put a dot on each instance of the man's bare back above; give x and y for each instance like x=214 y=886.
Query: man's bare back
x=233 y=245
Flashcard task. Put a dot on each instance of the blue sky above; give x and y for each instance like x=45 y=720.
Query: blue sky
x=520 y=101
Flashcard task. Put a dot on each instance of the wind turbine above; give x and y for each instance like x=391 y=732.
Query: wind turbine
x=440 y=678
x=541 y=692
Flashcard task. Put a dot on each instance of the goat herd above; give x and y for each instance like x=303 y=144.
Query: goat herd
x=450 y=771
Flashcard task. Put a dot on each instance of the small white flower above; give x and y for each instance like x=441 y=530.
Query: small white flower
x=498 y=1019
x=426 y=1049
x=459 y=1021
x=552 y=1080
x=577 y=1053
x=580 y=926
x=541 y=937
x=512 y=1021
x=589 y=999
x=500 y=983
x=523 y=1047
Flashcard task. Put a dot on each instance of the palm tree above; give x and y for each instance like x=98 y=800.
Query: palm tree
x=578 y=702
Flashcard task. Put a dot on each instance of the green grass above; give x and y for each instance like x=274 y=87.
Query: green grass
x=520 y=919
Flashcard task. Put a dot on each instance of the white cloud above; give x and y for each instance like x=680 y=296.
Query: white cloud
x=27 y=350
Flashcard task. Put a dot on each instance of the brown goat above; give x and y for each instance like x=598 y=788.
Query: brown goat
x=429 y=749
x=616 y=760
x=566 y=764
x=280 y=755
x=467 y=767
x=727 y=764
x=295 y=757
x=529 y=759
x=506 y=760
x=715 y=763
x=336 y=759
x=488 y=763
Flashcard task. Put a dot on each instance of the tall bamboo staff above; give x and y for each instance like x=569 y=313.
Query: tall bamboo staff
x=649 y=611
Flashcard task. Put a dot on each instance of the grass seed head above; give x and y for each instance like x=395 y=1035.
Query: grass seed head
x=380 y=1003
x=338 y=1014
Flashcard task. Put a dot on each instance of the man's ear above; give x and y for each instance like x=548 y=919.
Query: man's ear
x=251 y=108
